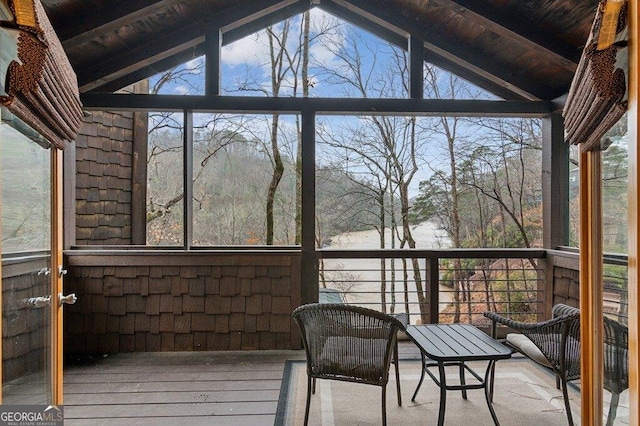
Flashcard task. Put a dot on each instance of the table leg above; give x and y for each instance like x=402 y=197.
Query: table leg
x=492 y=380
x=462 y=380
x=424 y=368
x=488 y=390
x=443 y=393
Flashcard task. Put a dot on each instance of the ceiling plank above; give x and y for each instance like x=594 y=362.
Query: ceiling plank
x=325 y=106
x=108 y=19
x=510 y=26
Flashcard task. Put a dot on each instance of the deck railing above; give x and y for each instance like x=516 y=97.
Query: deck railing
x=456 y=285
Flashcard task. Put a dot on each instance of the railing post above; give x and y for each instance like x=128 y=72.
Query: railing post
x=309 y=261
x=545 y=271
x=434 y=289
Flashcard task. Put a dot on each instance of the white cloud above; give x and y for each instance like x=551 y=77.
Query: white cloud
x=251 y=50
x=181 y=90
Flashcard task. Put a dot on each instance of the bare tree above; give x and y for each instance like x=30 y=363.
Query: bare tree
x=388 y=146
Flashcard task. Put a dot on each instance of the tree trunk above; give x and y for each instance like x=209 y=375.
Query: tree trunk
x=278 y=171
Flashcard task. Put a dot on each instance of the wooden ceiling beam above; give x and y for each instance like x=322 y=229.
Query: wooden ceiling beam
x=149 y=70
x=265 y=9
x=249 y=27
x=512 y=27
x=161 y=54
x=108 y=19
x=258 y=23
x=464 y=57
x=480 y=68
x=398 y=37
x=324 y=106
x=172 y=43
x=198 y=50
x=475 y=78
x=394 y=36
x=92 y=76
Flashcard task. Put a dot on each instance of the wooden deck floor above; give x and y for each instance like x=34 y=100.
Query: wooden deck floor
x=180 y=388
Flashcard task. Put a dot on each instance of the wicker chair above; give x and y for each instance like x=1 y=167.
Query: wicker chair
x=349 y=343
x=558 y=340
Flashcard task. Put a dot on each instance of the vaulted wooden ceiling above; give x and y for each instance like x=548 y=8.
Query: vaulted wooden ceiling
x=517 y=49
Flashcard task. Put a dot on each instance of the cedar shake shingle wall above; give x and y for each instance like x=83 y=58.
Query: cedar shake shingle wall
x=103 y=179
x=181 y=301
x=566 y=279
x=25 y=335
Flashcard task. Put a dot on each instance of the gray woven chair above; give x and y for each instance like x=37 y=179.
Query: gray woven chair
x=558 y=339
x=349 y=343
x=616 y=363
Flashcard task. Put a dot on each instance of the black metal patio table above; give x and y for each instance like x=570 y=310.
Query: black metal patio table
x=453 y=345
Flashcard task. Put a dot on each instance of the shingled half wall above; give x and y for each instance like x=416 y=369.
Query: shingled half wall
x=104 y=155
x=181 y=301
x=565 y=279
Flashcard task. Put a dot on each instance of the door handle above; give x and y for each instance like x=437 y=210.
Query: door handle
x=61 y=272
x=38 y=302
x=69 y=299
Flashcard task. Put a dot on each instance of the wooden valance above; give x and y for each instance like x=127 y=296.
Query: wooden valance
x=598 y=95
x=41 y=87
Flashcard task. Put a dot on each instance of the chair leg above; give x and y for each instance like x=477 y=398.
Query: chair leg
x=395 y=361
x=306 y=410
x=313 y=389
x=613 y=408
x=384 y=405
x=567 y=405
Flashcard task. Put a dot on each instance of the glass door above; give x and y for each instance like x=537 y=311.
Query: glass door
x=30 y=341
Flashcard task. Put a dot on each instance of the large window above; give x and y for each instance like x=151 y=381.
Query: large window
x=436 y=182
x=165 y=180
x=244 y=179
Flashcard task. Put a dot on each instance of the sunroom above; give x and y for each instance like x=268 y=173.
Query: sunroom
x=206 y=167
